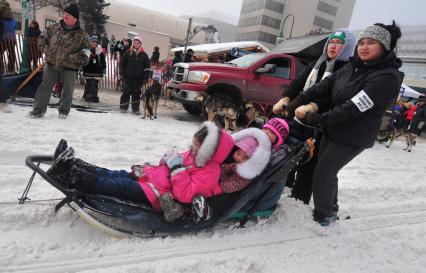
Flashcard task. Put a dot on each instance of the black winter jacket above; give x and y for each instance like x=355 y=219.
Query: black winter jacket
x=359 y=96
x=133 y=66
x=297 y=85
x=96 y=66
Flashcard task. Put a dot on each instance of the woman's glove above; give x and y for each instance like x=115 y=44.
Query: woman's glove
x=301 y=111
x=281 y=105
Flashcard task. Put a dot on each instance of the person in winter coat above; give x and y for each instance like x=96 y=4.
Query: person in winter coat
x=105 y=43
x=155 y=58
x=251 y=156
x=409 y=114
x=112 y=44
x=122 y=47
x=132 y=71
x=94 y=71
x=359 y=94
x=35 y=53
x=67 y=50
x=189 y=56
x=248 y=159
x=178 y=176
x=338 y=49
x=178 y=57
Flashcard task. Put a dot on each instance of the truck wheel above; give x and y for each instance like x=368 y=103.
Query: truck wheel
x=192 y=108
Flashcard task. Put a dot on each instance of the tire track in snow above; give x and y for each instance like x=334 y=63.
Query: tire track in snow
x=361 y=224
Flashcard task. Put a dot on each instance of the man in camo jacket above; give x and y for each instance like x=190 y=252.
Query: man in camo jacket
x=67 y=49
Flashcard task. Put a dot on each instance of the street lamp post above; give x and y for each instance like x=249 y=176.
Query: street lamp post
x=280 y=37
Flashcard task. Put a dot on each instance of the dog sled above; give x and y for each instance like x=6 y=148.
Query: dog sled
x=125 y=218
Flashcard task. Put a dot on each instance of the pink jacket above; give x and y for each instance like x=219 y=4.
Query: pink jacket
x=200 y=176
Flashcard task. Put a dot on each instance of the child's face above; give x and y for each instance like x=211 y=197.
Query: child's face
x=270 y=134
x=195 y=146
x=240 y=156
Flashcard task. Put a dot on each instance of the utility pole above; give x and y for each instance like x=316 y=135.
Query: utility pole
x=27 y=13
x=187 y=37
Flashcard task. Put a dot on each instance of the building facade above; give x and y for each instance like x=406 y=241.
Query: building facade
x=412 y=51
x=263 y=20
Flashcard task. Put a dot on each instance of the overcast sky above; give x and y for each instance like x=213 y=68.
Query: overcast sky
x=366 y=12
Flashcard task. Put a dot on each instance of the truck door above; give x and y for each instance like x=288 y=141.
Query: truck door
x=268 y=87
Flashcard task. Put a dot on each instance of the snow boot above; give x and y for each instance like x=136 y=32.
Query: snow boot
x=62 y=146
x=201 y=211
x=61 y=167
x=172 y=210
x=324 y=220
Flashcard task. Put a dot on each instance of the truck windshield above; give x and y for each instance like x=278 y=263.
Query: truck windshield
x=247 y=60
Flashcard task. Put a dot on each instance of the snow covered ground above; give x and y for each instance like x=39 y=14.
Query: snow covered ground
x=383 y=190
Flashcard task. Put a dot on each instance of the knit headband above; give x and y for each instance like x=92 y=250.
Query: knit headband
x=377 y=33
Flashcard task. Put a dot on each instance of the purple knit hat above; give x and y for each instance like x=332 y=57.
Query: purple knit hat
x=248 y=145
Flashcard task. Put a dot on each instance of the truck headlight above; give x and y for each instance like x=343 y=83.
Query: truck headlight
x=198 y=77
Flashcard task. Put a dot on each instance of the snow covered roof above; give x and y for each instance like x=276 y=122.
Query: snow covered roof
x=210 y=48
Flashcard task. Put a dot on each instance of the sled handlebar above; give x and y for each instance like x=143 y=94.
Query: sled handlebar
x=34 y=161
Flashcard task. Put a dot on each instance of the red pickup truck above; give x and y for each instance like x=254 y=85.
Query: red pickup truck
x=259 y=78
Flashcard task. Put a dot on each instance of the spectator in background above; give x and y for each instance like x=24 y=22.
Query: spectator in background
x=178 y=57
x=155 y=58
x=132 y=70
x=112 y=44
x=66 y=50
x=189 y=56
x=94 y=71
x=8 y=42
x=122 y=47
x=105 y=43
x=35 y=53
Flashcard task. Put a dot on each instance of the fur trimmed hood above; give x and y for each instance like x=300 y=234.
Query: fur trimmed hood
x=216 y=146
x=260 y=158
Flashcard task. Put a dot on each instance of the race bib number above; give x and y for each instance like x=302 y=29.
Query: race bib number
x=362 y=101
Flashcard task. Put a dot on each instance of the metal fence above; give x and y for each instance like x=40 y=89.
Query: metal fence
x=11 y=60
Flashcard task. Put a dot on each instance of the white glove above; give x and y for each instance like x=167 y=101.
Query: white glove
x=280 y=105
x=301 y=111
x=98 y=50
x=170 y=154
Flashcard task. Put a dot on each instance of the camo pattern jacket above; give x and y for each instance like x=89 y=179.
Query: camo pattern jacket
x=65 y=48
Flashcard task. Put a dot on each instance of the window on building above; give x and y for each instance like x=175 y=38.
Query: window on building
x=18 y=18
x=249 y=7
x=327 y=8
x=267 y=37
x=323 y=23
x=48 y=23
x=271 y=22
x=274 y=6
